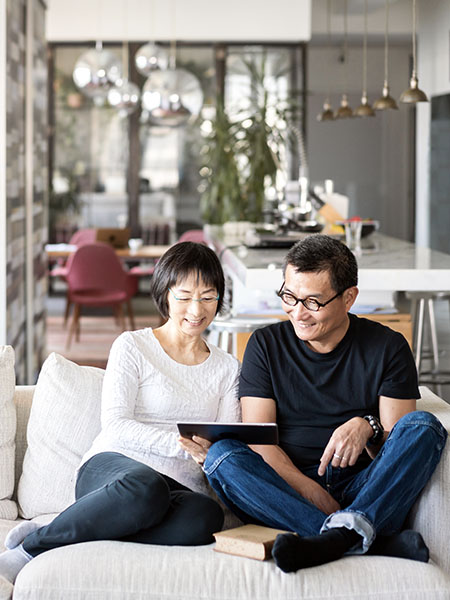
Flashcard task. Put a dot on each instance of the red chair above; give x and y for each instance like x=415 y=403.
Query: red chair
x=193 y=235
x=79 y=238
x=96 y=277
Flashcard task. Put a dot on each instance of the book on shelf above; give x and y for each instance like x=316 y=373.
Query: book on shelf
x=251 y=541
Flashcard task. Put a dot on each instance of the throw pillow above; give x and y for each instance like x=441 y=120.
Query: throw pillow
x=64 y=420
x=8 y=508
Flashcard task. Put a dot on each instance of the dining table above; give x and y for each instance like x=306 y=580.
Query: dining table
x=57 y=251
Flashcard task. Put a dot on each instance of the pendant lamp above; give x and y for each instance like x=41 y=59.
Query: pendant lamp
x=414 y=94
x=124 y=95
x=151 y=57
x=171 y=97
x=344 y=111
x=327 y=113
x=364 y=109
x=386 y=101
x=95 y=72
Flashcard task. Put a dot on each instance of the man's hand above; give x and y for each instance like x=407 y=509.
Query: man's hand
x=346 y=444
x=196 y=446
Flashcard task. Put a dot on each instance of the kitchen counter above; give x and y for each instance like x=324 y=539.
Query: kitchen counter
x=386 y=265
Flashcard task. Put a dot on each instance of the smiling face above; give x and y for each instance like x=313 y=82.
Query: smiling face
x=188 y=316
x=324 y=329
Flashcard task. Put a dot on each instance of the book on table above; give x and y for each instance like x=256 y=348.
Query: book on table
x=251 y=541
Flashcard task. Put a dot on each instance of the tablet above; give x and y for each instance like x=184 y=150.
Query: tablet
x=249 y=433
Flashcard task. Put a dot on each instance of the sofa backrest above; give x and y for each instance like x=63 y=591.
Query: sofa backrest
x=23 y=398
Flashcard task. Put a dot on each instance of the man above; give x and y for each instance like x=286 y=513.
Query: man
x=353 y=454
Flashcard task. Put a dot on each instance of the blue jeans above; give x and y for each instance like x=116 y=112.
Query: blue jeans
x=118 y=498
x=374 y=500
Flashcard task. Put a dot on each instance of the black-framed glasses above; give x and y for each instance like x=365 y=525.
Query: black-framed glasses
x=187 y=300
x=309 y=303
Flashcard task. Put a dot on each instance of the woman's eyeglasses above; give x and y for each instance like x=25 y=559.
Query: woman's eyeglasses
x=188 y=299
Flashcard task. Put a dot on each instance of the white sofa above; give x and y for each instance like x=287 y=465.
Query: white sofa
x=62 y=422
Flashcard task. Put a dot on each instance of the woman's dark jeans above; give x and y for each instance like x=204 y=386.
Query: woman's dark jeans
x=118 y=498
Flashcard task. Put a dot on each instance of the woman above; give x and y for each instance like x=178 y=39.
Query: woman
x=136 y=483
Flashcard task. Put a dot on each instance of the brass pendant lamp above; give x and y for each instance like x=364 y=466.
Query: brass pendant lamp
x=364 y=109
x=386 y=101
x=327 y=114
x=414 y=94
x=344 y=111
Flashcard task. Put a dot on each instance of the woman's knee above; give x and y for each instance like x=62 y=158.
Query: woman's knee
x=205 y=518
x=147 y=491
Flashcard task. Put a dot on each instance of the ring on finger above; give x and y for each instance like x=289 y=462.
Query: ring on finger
x=337 y=456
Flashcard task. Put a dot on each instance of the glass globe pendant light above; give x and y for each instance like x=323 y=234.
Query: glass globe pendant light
x=151 y=57
x=386 y=101
x=95 y=72
x=124 y=95
x=172 y=96
x=414 y=94
x=327 y=114
x=344 y=111
x=364 y=109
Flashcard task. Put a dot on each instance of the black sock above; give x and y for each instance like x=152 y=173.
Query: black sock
x=406 y=544
x=292 y=552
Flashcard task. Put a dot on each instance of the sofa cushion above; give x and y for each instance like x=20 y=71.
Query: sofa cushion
x=127 y=571
x=64 y=420
x=8 y=508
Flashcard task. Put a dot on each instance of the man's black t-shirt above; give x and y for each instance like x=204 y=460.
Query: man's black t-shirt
x=316 y=393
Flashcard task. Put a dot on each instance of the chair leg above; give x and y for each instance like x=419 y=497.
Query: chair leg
x=74 y=325
x=121 y=317
x=67 y=310
x=131 y=314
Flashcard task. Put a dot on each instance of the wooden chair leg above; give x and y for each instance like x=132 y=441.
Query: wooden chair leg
x=67 y=310
x=121 y=317
x=74 y=325
x=131 y=314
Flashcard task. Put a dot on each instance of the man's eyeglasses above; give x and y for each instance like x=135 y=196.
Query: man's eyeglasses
x=186 y=299
x=309 y=303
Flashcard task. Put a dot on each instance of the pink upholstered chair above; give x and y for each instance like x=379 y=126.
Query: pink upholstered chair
x=59 y=271
x=96 y=277
x=192 y=235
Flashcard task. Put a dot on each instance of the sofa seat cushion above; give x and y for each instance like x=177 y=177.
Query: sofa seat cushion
x=64 y=420
x=8 y=508
x=127 y=571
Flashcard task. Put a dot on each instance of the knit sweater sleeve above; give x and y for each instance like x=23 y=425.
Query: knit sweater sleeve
x=119 y=394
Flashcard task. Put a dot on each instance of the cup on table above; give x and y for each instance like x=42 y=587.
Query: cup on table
x=353 y=230
x=135 y=244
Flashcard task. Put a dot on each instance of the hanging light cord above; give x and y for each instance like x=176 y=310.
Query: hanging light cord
x=386 y=62
x=345 y=50
x=329 y=44
x=365 y=51
x=414 y=39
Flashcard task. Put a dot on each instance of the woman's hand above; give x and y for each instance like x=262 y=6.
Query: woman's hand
x=346 y=444
x=196 y=446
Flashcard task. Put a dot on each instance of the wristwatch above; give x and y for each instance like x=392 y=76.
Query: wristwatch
x=378 y=429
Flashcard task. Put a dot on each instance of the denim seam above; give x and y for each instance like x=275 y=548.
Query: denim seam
x=209 y=469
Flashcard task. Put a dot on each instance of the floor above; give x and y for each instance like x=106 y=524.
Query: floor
x=98 y=333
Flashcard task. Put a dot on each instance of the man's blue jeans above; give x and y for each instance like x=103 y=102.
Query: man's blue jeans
x=375 y=500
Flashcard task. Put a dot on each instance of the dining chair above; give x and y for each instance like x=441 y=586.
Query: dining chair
x=96 y=277
x=60 y=270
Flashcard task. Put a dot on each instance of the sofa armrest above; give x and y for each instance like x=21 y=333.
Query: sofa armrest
x=431 y=513
x=23 y=396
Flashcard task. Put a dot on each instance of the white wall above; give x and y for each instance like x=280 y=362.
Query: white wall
x=3 y=286
x=434 y=79
x=187 y=20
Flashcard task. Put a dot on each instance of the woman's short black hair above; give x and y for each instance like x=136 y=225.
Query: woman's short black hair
x=180 y=261
x=318 y=253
